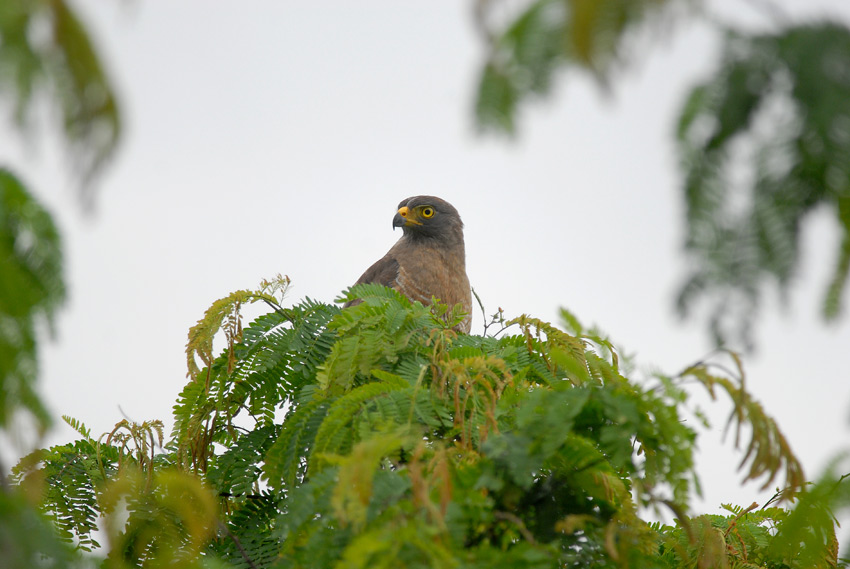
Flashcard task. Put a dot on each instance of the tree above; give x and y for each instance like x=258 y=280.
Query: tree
x=405 y=444
x=776 y=114
x=376 y=435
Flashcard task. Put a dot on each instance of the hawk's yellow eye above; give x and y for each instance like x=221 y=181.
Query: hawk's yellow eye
x=427 y=212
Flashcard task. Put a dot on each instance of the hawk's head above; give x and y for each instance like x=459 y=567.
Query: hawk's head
x=429 y=217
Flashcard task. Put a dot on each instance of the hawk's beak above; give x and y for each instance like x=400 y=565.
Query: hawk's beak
x=405 y=218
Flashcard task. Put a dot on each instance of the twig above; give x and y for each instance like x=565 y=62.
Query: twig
x=236 y=542
x=507 y=516
x=500 y=330
x=743 y=513
x=274 y=307
x=703 y=361
x=483 y=312
x=777 y=497
x=680 y=515
x=497 y=318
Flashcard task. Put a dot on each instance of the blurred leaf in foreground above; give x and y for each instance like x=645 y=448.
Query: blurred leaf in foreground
x=31 y=289
x=46 y=52
x=764 y=143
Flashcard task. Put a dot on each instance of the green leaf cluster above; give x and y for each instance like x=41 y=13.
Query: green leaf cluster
x=379 y=436
x=46 y=58
x=781 y=100
x=31 y=290
x=526 y=53
x=152 y=513
x=756 y=537
x=763 y=143
x=46 y=51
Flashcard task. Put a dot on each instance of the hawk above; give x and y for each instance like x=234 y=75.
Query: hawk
x=429 y=259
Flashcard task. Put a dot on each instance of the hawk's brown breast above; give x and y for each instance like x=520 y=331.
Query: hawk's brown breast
x=429 y=261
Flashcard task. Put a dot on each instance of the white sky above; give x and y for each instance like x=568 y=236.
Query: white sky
x=270 y=137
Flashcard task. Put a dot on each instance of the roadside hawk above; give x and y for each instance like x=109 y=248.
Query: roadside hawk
x=429 y=259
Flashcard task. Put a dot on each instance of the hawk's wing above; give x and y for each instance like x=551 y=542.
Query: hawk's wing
x=384 y=271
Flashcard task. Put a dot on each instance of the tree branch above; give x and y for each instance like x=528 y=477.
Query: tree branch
x=238 y=545
x=513 y=518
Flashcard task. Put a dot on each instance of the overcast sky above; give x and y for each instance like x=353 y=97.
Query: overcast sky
x=269 y=137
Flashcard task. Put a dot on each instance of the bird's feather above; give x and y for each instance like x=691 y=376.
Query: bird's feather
x=384 y=271
x=428 y=261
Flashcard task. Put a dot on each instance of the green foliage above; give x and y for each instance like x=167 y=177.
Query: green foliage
x=27 y=538
x=768 y=451
x=46 y=51
x=763 y=143
x=756 y=537
x=378 y=436
x=257 y=373
x=171 y=519
x=45 y=56
x=807 y=531
x=73 y=476
x=590 y=35
x=783 y=101
x=31 y=289
x=153 y=514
